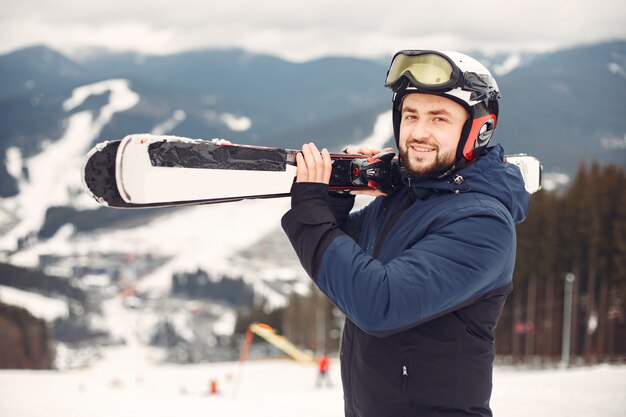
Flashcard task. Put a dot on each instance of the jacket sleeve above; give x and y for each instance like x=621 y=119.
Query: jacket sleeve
x=311 y=225
x=467 y=254
x=340 y=205
x=349 y=223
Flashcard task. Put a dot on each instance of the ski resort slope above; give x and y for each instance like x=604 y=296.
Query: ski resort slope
x=278 y=388
x=130 y=380
x=40 y=306
x=54 y=174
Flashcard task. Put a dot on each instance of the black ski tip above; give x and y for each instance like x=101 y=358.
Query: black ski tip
x=99 y=174
x=99 y=181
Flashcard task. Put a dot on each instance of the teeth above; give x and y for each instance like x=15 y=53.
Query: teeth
x=422 y=149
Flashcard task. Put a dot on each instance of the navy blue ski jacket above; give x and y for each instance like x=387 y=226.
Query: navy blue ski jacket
x=421 y=276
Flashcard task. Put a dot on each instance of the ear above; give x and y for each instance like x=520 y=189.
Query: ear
x=480 y=134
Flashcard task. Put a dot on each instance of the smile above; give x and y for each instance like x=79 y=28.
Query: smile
x=418 y=148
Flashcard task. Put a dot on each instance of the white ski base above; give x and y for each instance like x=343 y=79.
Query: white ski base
x=531 y=170
x=141 y=183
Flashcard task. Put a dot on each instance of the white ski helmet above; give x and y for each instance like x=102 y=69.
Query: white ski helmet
x=455 y=76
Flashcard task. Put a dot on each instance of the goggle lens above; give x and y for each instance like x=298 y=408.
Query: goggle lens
x=427 y=69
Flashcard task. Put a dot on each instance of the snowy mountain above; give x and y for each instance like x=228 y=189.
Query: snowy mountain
x=261 y=99
x=568 y=106
x=561 y=107
x=51 y=224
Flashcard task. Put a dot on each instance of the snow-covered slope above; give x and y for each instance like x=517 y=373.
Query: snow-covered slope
x=278 y=388
x=196 y=237
x=129 y=379
x=54 y=174
x=225 y=239
x=40 y=306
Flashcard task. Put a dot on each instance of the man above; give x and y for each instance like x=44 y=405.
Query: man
x=422 y=273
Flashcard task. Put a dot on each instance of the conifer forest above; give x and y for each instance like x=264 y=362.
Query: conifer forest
x=576 y=235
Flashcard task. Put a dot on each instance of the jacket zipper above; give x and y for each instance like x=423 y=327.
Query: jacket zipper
x=405 y=379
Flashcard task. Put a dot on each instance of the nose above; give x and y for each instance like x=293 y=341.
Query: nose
x=419 y=130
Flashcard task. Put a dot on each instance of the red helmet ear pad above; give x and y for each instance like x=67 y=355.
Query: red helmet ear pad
x=479 y=135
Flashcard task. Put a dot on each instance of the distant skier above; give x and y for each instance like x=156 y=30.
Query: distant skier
x=422 y=273
x=323 y=366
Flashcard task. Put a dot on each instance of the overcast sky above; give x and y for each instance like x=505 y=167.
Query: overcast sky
x=301 y=30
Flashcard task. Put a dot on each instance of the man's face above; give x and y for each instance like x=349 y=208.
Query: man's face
x=430 y=131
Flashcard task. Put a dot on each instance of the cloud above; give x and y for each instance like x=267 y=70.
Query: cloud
x=304 y=30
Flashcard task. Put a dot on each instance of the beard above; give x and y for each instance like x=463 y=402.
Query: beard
x=444 y=159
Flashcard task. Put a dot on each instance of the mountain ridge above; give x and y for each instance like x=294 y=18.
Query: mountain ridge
x=561 y=106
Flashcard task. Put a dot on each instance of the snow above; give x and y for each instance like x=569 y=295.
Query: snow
x=276 y=388
x=382 y=133
x=612 y=142
x=62 y=243
x=590 y=391
x=233 y=122
x=54 y=172
x=510 y=63
x=617 y=69
x=122 y=97
x=552 y=180
x=237 y=124
x=168 y=125
x=40 y=306
x=130 y=379
x=197 y=237
x=13 y=160
x=225 y=325
x=95 y=281
x=5 y=220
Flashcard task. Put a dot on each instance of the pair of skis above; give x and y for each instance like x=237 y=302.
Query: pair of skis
x=144 y=170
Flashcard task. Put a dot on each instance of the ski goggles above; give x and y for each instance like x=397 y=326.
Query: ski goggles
x=433 y=72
